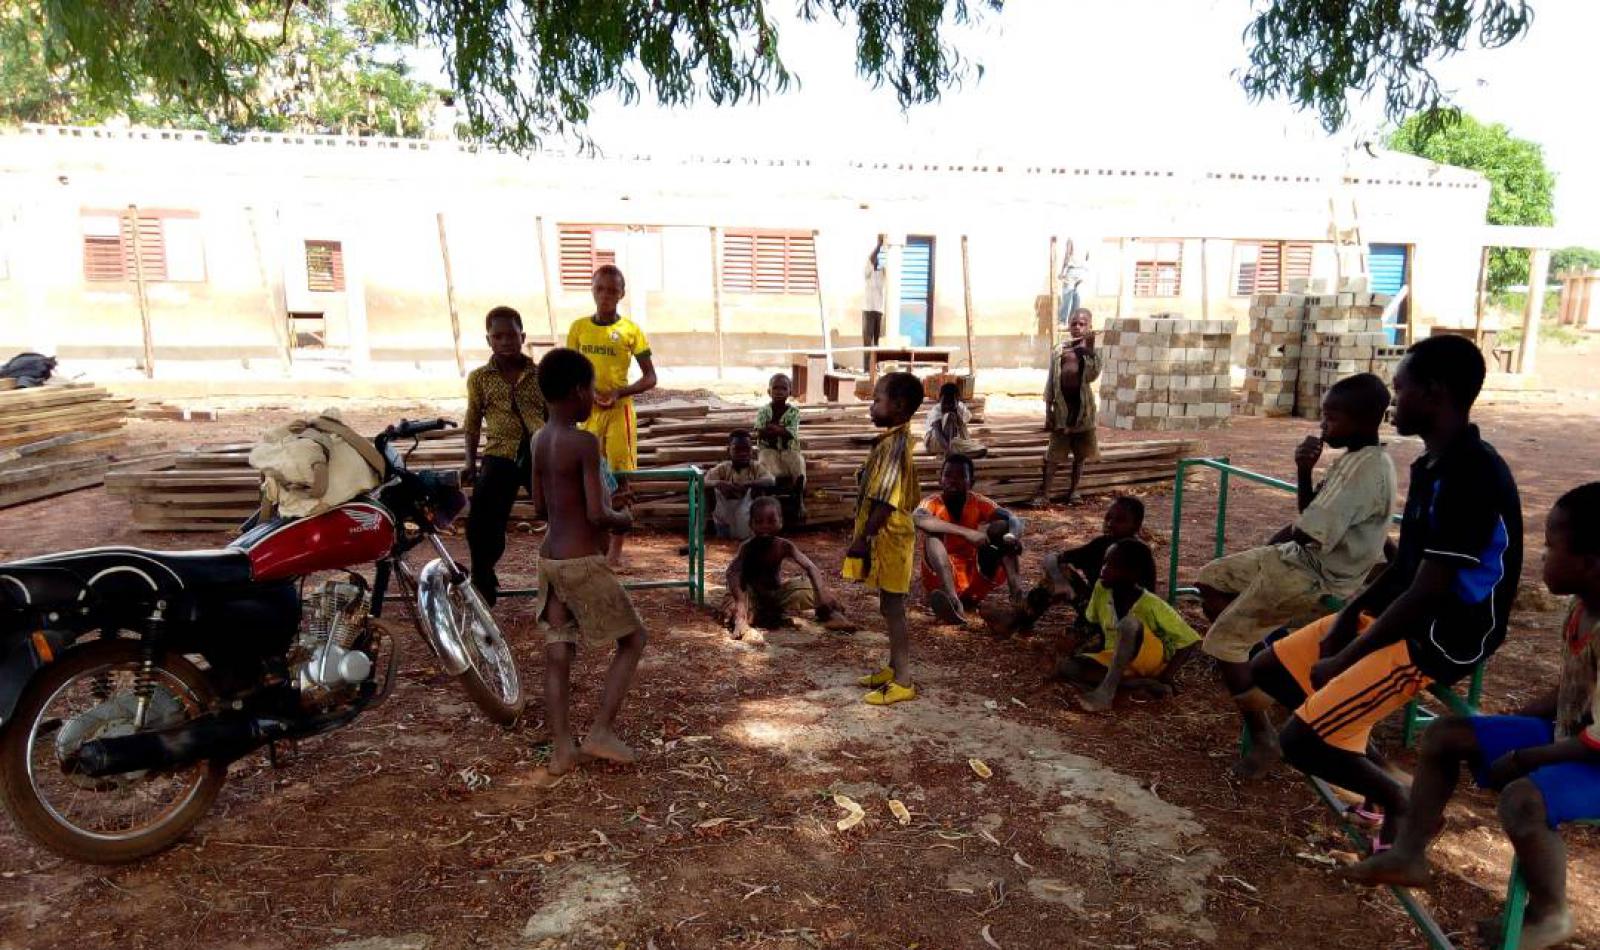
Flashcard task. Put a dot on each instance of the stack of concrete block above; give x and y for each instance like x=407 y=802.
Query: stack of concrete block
x=1272 y=362
x=1166 y=373
x=1344 y=335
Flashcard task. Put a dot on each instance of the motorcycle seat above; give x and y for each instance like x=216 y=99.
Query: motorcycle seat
x=128 y=571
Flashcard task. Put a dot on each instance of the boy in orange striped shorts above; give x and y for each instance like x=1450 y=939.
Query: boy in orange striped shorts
x=1438 y=610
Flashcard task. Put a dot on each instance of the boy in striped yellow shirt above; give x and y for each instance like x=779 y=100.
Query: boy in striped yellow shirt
x=883 y=545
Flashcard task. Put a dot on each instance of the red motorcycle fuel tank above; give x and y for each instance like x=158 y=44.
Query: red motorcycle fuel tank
x=354 y=533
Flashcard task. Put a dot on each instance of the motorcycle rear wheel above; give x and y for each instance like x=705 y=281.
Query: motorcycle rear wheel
x=29 y=756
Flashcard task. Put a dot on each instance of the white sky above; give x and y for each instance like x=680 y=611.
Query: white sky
x=1121 y=78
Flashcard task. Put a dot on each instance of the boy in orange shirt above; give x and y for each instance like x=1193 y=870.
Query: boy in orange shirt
x=969 y=544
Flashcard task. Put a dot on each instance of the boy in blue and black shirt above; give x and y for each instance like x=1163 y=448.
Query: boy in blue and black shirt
x=1436 y=612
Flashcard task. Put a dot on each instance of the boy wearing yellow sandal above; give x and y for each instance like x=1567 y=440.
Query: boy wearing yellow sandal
x=884 y=541
x=612 y=342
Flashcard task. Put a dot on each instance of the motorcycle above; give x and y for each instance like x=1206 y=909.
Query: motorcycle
x=130 y=679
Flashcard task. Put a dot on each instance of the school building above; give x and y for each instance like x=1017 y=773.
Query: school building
x=381 y=256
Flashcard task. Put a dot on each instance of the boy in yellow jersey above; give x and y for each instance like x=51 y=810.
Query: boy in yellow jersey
x=612 y=342
x=884 y=541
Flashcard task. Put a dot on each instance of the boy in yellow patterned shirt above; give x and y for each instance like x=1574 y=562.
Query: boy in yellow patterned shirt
x=884 y=541
x=612 y=342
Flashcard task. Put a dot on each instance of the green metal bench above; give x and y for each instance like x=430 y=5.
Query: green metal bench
x=695 y=577
x=1417 y=716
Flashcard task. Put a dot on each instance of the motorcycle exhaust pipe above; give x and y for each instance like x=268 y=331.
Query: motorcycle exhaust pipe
x=218 y=738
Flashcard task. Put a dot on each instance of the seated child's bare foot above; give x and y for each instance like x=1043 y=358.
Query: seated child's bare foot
x=1548 y=931
x=605 y=745
x=839 y=623
x=1390 y=867
x=1094 y=701
x=946 y=608
x=1263 y=755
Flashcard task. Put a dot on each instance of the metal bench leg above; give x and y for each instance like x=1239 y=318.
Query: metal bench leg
x=1516 y=907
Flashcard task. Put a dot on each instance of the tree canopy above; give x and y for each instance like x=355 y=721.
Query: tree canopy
x=1574 y=258
x=1522 y=189
x=525 y=68
x=1316 y=54
x=314 y=66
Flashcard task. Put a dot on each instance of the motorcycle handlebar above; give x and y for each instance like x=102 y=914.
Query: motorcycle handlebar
x=406 y=428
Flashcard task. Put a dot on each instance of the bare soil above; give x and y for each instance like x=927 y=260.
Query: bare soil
x=414 y=828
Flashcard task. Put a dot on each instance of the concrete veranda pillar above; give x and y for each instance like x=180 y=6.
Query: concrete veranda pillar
x=1538 y=269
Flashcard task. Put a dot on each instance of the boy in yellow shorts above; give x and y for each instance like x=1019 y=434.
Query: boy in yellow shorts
x=612 y=342
x=1143 y=641
x=884 y=540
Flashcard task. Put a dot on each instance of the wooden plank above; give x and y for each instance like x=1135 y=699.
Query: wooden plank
x=12 y=497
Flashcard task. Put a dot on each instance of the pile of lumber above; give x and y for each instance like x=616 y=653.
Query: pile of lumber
x=59 y=438
x=214 y=489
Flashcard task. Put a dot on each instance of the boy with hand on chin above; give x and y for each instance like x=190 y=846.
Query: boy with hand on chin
x=612 y=342
x=884 y=539
x=580 y=599
x=503 y=403
x=1326 y=552
x=1545 y=761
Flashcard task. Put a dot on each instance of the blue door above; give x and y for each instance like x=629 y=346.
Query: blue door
x=916 y=290
x=1389 y=268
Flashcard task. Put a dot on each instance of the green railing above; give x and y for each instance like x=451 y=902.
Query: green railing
x=695 y=579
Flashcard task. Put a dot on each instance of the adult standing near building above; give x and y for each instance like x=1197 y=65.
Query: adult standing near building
x=612 y=342
x=872 y=303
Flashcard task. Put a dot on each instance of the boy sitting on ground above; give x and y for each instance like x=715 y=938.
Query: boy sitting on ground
x=969 y=544
x=778 y=447
x=580 y=599
x=883 y=543
x=1143 y=641
x=757 y=593
x=946 y=426
x=1545 y=761
x=1326 y=552
x=733 y=485
x=1070 y=575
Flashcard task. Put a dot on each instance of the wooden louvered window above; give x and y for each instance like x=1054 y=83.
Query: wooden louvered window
x=1158 y=269
x=108 y=246
x=1266 y=267
x=769 y=262
x=325 y=266
x=581 y=254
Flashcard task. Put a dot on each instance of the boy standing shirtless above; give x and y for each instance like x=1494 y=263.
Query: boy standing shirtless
x=612 y=342
x=580 y=599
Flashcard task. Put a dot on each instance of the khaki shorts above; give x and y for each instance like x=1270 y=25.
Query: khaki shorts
x=601 y=610
x=1272 y=592
x=783 y=463
x=1084 y=445
x=793 y=597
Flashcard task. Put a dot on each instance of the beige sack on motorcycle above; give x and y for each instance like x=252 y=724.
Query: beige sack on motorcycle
x=312 y=465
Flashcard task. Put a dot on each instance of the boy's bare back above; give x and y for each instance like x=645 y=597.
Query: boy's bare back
x=569 y=491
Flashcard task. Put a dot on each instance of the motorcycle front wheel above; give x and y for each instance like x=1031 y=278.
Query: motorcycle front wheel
x=460 y=623
x=93 y=693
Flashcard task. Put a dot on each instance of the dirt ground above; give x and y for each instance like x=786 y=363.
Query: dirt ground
x=414 y=828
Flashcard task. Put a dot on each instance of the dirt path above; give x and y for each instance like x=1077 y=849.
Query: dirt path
x=413 y=829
